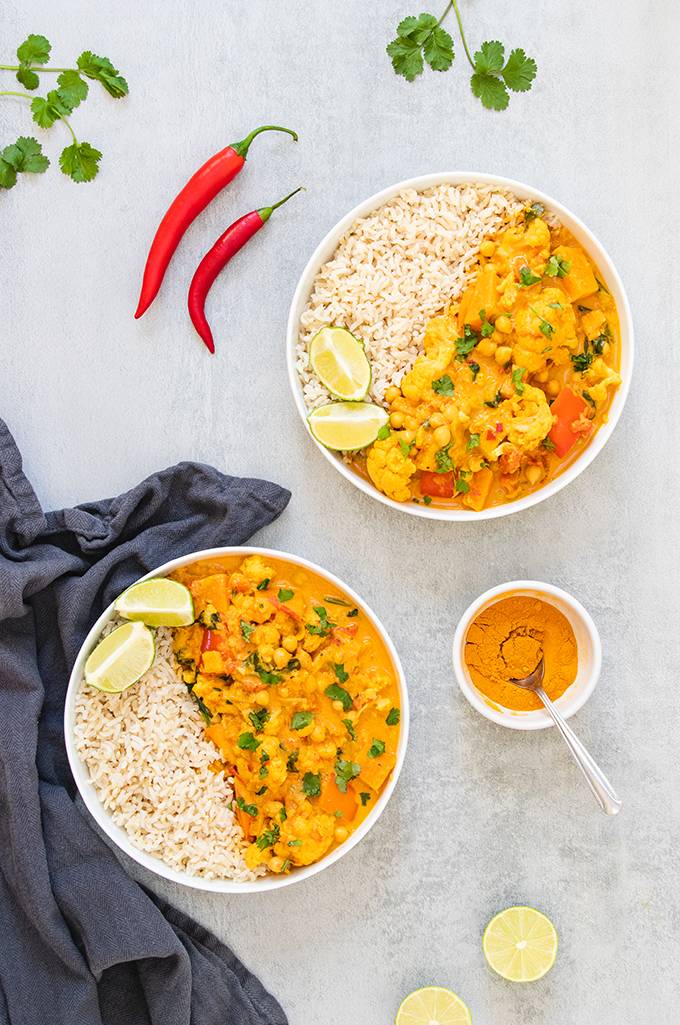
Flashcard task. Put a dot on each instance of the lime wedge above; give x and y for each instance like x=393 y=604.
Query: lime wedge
x=158 y=602
x=520 y=944
x=120 y=658
x=346 y=426
x=339 y=361
x=433 y=1005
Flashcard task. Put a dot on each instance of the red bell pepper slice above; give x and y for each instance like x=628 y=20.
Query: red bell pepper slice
x=567 y=407
x=436 y=485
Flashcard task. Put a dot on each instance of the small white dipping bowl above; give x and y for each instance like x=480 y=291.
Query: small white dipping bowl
x=587 y=640
x=120 y=837
x=581 y=233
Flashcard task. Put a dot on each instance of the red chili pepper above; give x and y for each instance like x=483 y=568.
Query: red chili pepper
x=227 y=245
x=201 y=188
x=207 y=640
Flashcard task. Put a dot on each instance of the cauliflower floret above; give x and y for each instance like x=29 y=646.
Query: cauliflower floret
x=439 y=345
x=256 y=569
x=390 y=468
x=599 y=377
x=546 y=323
x=530 y=419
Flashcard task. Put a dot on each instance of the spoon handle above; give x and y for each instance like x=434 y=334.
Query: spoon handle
x=605 y=794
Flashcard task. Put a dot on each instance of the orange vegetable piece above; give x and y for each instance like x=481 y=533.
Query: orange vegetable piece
x=580 y=279
x=244 y=820
x=436 y=485
x=332 y=799
x=480 y=486
x=482 y=294
x=567 y=407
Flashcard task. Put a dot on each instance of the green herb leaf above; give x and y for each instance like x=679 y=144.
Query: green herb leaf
x=466 y=344
x=384 y=433
x=543 y=325
x=520 y=71
x=473 y=442
x=337 y=693
x=80 y=161
x=268 y=838
x=556 y=267
x=283 y=814
x=475 y=368
x=34 y=50
x=301 y=720
x=28 y=78
x=487 y=327
x=496 y=402
x=406 y=448
x=339 y=671
x=72 y=89
x=291 y=763
x=249 y=809
x=532 y=211
x=365 y=798
x=490 y=90
x=102 y=70
x=548 y=444
x=349 y=726
x=263 y=584
x=247 y=630
x=258 y=719
x=285 y=594
x=443 y=385
x=247 y=742
x=517 y=375
x=376 y=749
x=311 y=784
x=24 y=155
x=393 y=717
x=462 y=486
x=427 y=499
x=490 y=57
x=527 y=278
x=344 y=772
x=417 y=38
x=443 y=460
x=261 y=791
x=48 y=109
x=295 y=843
x=325 y=626
x=438 y=50
x=354 y=612
x=582 y=360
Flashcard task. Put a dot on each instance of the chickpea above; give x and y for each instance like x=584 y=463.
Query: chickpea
x=486 y=347
x=533 y=474
x=318 y=734
x=421 y=437
x=391 y=393
x=502 y=354
x=311 y=642
x=275 y=864
x=542 y=376
x=553 y=387
x=262 y=698
x=450 y=410
x=397 y=419
x=290 y=643
x=341 y=834
x=411 y=423
x=487 y=248
x=437 y=420
x=503 y=324
x=280 y=658
x=337 y=706
x=266 y=652
x=441 y=436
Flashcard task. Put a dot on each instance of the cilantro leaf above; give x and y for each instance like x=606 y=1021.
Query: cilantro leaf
x=291 y=763
x=438 y=50
x=406 y=447
x=259 y=719
x=376 y=749
x=102 y=70
x=80 y=161
x=339 y=671
x=557 y=267
x=532 y=211
x=490 y=57
x=28 y=78
x=23 y=155
x=344 y=772
x=475 y=368
x=443 y=385
x=496 y=402
x=517 y=375
x=473 y=442
x=527 y=278
x=34 y=50
x=349 y=726
x=72 y=89
x=325 y=626
x=311 y=784
x=520 y=71
x=490 y=90
x=466 y=344
x=383 y=433
x=337 y=693
x=407 y=60
x=247 y=630
x=420 y=39
x=301 y=720
x=268 y=838
x=8 y=176
x=443 y=460
x=393 y=717
x=365 y=798
x=462 y=486
x=247 y=742
x=263 y=584
x=249 y=809
x=285 y=594
x=544 y=326
x=48 y=109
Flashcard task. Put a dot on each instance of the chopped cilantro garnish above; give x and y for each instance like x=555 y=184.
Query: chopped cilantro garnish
x=496 y=402
x=443 y=460
x=527 y=278
x=556 y=267
x=365 y=798
x=283 y=814
x=246 y=630
x=291 y=764
x=263 y=584
x=473 y=442
x=548 y=444
x=301 y=720
x=427 y=500
x=264 y=772
x=339 y=671
x=261 y=791
x=285 y=594
x=475 y=368
x=393 y=717
x=264 y=674
x=209 y=618
x=249 y=809
x=347 y=723
x=517 y=375
x=532 y=211
x=487 y=327
x=466 y=344
x=462 y=486
x=443 y=385
x=324 y=626
x=344 y=772
x=268 y=838
x=337 y=693
x=247 y=742
x=543 y=325
x=383 y=433
x=258 y=719
x=406 y=447
x=311 y=784
x=582 y=360
x=295 y=843
x=376 y=749
x=286 y=865
x=589 y=398
x=354 y=612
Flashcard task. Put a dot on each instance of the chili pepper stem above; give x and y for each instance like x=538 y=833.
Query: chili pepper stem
x=243 y=146
x=265 y=212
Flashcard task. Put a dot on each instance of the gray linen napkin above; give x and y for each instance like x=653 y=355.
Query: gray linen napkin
x=80 y=942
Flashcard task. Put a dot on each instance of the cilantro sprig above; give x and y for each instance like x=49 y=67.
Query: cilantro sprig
x=80 y=160
x=421 y=40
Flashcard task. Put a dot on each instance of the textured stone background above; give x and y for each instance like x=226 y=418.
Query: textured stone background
x=483 y=817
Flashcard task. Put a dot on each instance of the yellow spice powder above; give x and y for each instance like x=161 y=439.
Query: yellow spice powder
x=508 y=639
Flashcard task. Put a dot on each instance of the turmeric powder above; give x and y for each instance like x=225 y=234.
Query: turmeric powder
x=508 y=639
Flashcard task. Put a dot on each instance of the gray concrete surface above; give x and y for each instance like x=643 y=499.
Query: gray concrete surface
x=482 y=817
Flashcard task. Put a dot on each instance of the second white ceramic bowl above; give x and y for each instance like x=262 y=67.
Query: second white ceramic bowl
x=581 y=233
x=587 y=641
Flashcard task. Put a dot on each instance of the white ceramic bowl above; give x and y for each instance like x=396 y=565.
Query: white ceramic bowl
x=589 y=655
x=120 y=837
x=581 y=233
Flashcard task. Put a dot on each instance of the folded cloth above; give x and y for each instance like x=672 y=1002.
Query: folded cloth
x=81 y=943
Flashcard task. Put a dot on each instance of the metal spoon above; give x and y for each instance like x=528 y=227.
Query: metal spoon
x=595 y=778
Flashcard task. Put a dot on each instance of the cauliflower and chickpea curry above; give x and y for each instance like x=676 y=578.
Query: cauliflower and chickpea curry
x=515 y=378
x=300 y=699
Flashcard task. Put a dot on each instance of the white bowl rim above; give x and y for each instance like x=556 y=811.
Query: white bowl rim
x=609 y=272
x=567 y=704
x=155 y=865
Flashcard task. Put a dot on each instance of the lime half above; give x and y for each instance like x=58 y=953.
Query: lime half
x=433 y=1005
x=520 y=944
x=345 y=426
x=157 y=603
x=120 y=658
x=339 y=361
